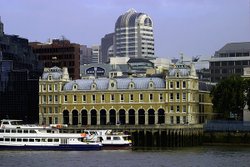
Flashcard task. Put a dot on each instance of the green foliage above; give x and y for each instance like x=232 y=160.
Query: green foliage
x=228 y=96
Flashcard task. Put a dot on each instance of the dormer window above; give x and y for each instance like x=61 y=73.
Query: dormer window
x=112 y=84
x=177 y=74
x=50 y=77
x=131 y=85
x=75 y=87
x=151 y=85
x=93 y=86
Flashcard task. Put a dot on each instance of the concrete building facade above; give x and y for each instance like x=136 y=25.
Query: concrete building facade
x=134 y=35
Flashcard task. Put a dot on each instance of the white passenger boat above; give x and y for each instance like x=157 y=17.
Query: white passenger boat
x=15 y=136
x=110 y=139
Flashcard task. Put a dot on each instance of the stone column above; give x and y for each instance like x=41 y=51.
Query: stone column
x=70 y=118
x=107 y=117
x=146 y=117
x=156 y=117
x=136 y=117
x=98 y=117
x=127 y=117
x=89 y=118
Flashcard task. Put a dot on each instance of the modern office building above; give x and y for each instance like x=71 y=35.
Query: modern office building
x=19 y=79
x=107 y=43
x=85 y=55
x=61 y=53
x=173 y=99
x=229 y=60
x=134 y=35
x=96 y=52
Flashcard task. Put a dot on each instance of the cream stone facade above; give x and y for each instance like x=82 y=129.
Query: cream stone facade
x=173 y=99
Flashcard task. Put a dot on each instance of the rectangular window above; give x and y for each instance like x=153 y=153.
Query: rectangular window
x=184 y=118
x=141 y=97
x=56 y=120
x=112 y=97
x=178 y=96
x=151 y=97
x=121 y=97
x=184 y=96
x=93 y=98
x=171 y=85
x=44 y=109
x=184 y=84
x=50 y=109
x=177 y=108
x=184 y=109
x=161 y=97
x=50 y=87
x=55 y=87
x=56 y=98
x=74 y=98
x=177 y=84
x=178 y=120
x=171 y=119
x=171 y=108
x=44 y=98
x=103 y=98
x=56 y=109
x=65 y=98
x=44 y=87
x=50 y=98
x=171 y=96
x=131 y=97
x=84 y=98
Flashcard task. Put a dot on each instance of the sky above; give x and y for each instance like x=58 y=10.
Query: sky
x=190 y=27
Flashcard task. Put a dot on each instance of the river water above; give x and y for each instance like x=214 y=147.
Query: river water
x=207 y=156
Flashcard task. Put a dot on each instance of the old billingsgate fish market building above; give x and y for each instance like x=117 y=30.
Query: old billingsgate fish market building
x=176 y=98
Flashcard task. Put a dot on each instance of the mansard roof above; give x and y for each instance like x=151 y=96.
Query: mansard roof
x=121 y=83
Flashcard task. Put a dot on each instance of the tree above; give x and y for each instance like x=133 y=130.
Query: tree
x=229 y=98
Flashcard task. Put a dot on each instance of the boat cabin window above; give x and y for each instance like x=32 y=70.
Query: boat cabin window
x=18 y=140
x=25 y=140
x=13 y=139
x=1 y=130
x=19 y=131
x=7 y=131
x=56 y=140
x=32 y=131
x=1 y=139
x=125 y=137
x=50 y=140
x=13 y=131
x=7 y=139
x=37 y=140
x=116 y=138
x=31 y=140
x=25 y=131
x=108 y=138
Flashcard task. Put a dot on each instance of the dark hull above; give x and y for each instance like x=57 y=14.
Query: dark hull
x=53 y=148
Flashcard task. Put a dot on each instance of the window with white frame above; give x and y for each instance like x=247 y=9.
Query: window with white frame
x=184 y=108
x=56 y=98
x=93 y=98
x=103 y=98
x=177 y=108
x=55 y=87
x=184 y=84
x=50 y=98
x=112 y=97
x=65 y=98
x=50 y=110
x=151 y=97
x=161 y=97
x=44 y=98
x=84 y=98
x=141 y=97
x=177 y=84
x=74 y=98
x=178 y=96
x=131 y=97
x=172 y=119
x=171 y=85
x=171 y=98
x=50 y=87
x=184 y=96
x=56 y=109
x=171 y=108
x=121 y=97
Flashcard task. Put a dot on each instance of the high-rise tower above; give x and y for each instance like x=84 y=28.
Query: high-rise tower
x=134 y=35
x=1 y=28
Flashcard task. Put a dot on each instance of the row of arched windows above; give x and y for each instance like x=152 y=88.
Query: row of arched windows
x=114 y=117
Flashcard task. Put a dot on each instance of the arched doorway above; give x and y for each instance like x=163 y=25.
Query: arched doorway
x=161 y=116
x=103 y=117
x=112 y=117
x=131 y=117
x=93 y=117
x=84 y=117
x=66 y=117
x=122 y=116
x=74 y=117
x=141 y=117
x=151 y=117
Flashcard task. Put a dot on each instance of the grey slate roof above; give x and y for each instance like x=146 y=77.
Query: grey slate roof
x=233 y=47
x=122 y=83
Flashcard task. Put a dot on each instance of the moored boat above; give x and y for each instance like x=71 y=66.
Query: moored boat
x=110 y=139
x=15 y=136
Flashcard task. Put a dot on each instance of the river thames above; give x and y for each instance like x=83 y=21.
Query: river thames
x=203 y=156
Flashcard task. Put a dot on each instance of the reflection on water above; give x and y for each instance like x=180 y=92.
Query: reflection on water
x=212 y=156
